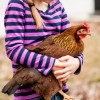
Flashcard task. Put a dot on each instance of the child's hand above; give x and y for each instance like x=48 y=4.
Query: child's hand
x=65 y=66
x=59 y=65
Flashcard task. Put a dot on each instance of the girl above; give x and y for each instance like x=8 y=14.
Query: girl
x=22 y=30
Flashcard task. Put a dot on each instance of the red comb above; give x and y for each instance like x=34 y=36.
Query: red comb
x=87 y=26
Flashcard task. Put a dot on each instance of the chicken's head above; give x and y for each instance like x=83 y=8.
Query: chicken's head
x=83 y=30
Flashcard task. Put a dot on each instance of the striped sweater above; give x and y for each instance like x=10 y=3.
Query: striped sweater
x=21 y=31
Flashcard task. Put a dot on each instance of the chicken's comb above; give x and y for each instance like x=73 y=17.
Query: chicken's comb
x=87 y=26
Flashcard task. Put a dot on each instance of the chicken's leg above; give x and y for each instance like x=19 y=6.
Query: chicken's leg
x=66 y=97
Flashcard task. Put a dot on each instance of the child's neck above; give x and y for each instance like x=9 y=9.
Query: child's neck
x=41 y=5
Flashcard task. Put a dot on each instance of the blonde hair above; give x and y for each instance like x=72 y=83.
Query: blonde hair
x=35 y=14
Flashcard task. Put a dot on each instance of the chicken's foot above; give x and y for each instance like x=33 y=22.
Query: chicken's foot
x=66 y=97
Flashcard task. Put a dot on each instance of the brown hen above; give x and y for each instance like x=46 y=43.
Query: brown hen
x=66 y=43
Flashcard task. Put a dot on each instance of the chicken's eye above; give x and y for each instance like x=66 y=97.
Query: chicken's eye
x=79 y=31
x=83 y=30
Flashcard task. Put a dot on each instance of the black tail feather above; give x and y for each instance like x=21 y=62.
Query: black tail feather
x=10 y=87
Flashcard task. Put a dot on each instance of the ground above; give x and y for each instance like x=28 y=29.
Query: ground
x=84 y=86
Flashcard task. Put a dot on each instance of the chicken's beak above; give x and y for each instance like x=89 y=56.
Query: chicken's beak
x=83 y=35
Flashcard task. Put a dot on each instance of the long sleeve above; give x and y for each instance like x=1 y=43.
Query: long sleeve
x=81 y=59
x=15 y=32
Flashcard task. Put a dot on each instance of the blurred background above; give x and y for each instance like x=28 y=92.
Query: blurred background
x=86 y=85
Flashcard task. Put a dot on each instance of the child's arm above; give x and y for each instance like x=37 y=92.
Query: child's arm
x=14 y=25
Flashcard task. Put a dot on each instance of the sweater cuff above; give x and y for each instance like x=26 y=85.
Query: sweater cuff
x=47 y=69
x=51 y=64
x=80 y=65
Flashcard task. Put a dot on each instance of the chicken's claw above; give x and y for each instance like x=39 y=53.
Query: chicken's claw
x=66 y=97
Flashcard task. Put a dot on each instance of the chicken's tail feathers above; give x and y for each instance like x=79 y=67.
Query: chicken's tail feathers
x=10 y=87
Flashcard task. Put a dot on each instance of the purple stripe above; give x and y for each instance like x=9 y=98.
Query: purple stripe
x=40 y=34
x=45 y=27
x=31 y=26
x=53 y=2
x=56 y=7
x=17 y=5
x=80 y=60
x=65 y=19
x=52 y=21
x=65 y=87
x=14 y=27
x=30 y=59
x=28 y=12
x=50 y=66
x=53 y=15
x=10 y=53
x=15 y=13
x=16 y=54
x=25 y=4
x=26 y=97
x=29 y=41
x=11 y=48
x=14 y=69
x=13 y=42
x=14 y=63
x=23 y=56
x=13 y=20
x=14 y=35
x=29 y=20
x=51 y=28
x=35 y=34
x=64 y=27
x=37 y=60
x=44 y=62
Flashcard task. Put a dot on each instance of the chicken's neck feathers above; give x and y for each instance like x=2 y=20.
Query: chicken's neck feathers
x=64 y=40
x=70 y=43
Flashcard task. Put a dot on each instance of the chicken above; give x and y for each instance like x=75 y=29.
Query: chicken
x=68 y=42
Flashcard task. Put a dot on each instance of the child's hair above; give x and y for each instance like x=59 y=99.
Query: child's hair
x=35 y=14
